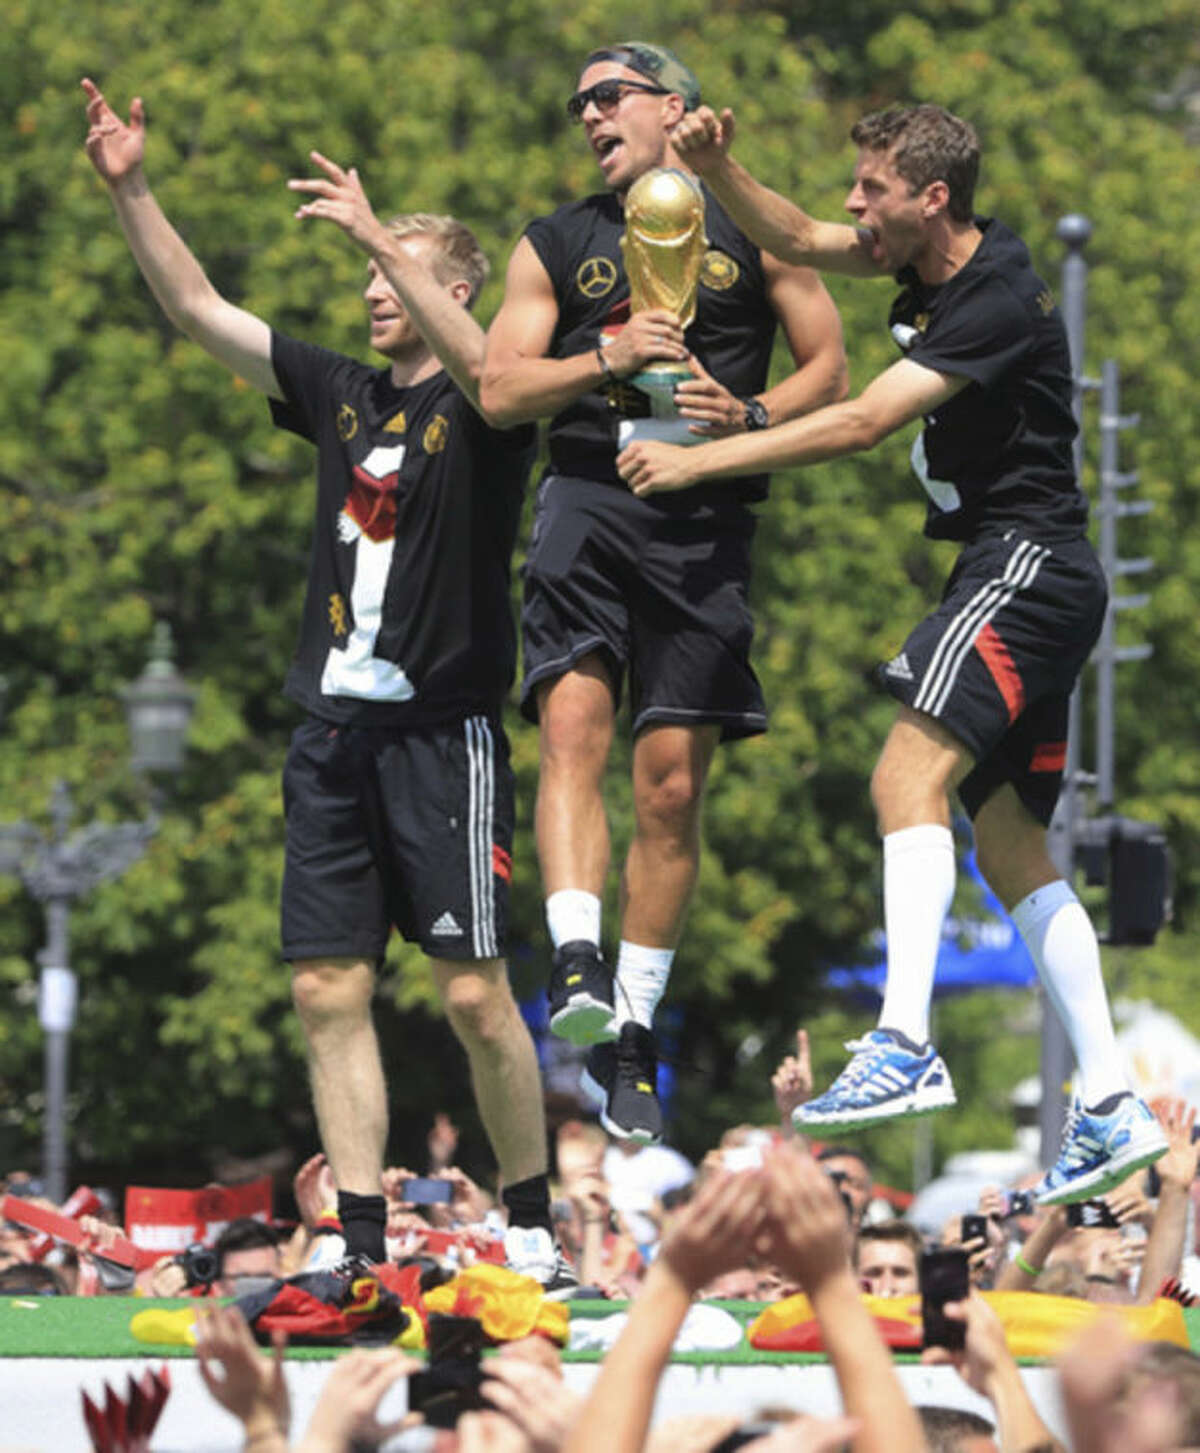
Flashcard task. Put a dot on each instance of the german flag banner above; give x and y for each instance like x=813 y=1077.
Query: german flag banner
x=1035 y=1325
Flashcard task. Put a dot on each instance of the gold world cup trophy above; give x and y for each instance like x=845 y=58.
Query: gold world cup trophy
x=663 y=247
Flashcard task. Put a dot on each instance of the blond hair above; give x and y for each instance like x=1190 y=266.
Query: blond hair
x=458 y=255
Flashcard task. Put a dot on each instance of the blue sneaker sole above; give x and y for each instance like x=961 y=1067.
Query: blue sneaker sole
x=584 y=1020
x=1105 y=1177
x=876 y=1115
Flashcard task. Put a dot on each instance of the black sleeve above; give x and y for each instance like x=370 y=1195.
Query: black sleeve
x=981 y=338
x=304 y=373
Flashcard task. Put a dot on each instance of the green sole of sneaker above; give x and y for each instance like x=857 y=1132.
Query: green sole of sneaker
x=584 y=1022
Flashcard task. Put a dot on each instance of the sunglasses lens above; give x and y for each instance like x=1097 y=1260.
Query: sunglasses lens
x=605 y=94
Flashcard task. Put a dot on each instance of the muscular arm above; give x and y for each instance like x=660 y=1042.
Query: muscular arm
x=900 y=394
x=703 y=139
x=520 y=383
x=232 y=336
x=813 y=330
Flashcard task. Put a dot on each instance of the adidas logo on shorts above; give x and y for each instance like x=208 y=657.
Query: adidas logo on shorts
x=447 y=926
x=899 y=668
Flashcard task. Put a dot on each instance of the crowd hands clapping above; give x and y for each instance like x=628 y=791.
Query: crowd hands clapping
x=766 y=1215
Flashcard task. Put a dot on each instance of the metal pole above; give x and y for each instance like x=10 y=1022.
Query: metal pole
x=56 y=1013
x=1056 y=1058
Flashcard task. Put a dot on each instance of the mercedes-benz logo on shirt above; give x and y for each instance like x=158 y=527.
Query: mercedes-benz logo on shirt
x=596 y=276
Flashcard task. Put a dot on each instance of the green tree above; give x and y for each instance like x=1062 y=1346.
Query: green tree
x=138 y=482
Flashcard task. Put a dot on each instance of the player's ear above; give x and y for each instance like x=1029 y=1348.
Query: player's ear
x=936 y=198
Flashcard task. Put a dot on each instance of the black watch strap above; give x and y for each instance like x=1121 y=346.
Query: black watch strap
x=756 y=416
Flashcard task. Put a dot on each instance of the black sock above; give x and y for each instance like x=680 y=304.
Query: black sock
x=363 y=1220
x=1107 y=1105
x=528 y=1203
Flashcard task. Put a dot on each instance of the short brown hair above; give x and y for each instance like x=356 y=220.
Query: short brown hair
x=459 y=254
x=895 y=1230
x=926 y=144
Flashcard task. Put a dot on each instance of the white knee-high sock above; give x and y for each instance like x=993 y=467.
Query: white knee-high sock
x=1062 y=941
x=642 y=975
x=571 y=914
x=918 y=887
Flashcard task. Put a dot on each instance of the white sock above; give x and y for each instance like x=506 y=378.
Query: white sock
x=1062 y=941
x=572 y=913
x=642 y=975
x=918 y=887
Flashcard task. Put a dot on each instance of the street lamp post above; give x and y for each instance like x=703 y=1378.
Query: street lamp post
x=61 y=867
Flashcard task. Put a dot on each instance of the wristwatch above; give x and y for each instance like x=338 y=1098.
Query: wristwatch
x=756 y=416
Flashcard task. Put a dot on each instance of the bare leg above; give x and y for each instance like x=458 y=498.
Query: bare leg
x=333 y=1001
x=504 y=1068
x=670 y=767
x=576 y=715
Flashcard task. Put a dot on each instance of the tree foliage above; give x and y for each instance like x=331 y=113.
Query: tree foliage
x=139 y=483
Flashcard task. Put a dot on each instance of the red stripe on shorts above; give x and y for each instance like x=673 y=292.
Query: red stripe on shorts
x=501 y=863
x=1049 y=757
x=1004 y=673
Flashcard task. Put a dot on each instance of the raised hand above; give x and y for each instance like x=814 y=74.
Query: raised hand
x=236 y=1373
x=339 y=197
x=1178 y=1163
x=347 y=1410
x=792 y=1082
x=540 y=1403
x=315 y=1189
x=114 y=147
x=716 y=1231
x=806 y=1220
x=702 y=139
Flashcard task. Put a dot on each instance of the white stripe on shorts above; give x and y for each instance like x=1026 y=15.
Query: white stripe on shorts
x=959 y=637
x=481 y=806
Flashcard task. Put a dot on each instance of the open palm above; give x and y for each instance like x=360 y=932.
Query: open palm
x=115 y=147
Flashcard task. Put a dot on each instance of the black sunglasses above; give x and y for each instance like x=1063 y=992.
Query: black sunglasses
x=607 y=94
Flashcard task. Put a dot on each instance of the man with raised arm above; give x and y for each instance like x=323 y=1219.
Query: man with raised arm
x=983 y=683
x=652 y=591
x=397 y=787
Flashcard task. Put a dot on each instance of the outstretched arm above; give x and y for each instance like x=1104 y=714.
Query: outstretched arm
x=232 y=336
x=713 y=1233
x=810 y=1241
x=702 y=139
x=900 y=394
x=438 y=309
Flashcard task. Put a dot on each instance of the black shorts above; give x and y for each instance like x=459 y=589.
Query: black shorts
x=997 y=660
x=658 y=588
x=411 y=827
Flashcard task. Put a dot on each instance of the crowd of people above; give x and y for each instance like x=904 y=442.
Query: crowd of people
x=764 y=1216
x=399 y=794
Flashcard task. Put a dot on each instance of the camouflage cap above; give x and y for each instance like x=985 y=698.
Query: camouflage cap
x=657 y=64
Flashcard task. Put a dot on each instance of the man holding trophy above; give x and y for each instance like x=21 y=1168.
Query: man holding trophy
x=639 y=312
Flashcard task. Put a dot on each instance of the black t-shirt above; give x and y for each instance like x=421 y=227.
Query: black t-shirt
x=731 y=335
x=407 y=618
x=999 y=453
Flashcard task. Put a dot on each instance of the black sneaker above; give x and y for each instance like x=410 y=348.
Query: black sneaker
x=581 y=994
x=622 y=1078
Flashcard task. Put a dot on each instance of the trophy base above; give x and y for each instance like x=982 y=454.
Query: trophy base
x=659 y=381
x=658 y=431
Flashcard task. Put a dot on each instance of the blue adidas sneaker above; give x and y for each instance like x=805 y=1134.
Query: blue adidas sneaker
x=1101 y=1147
x=888 y=1076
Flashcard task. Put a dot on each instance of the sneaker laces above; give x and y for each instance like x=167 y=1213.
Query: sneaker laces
x=867 y=1055
x=1071 y=1151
